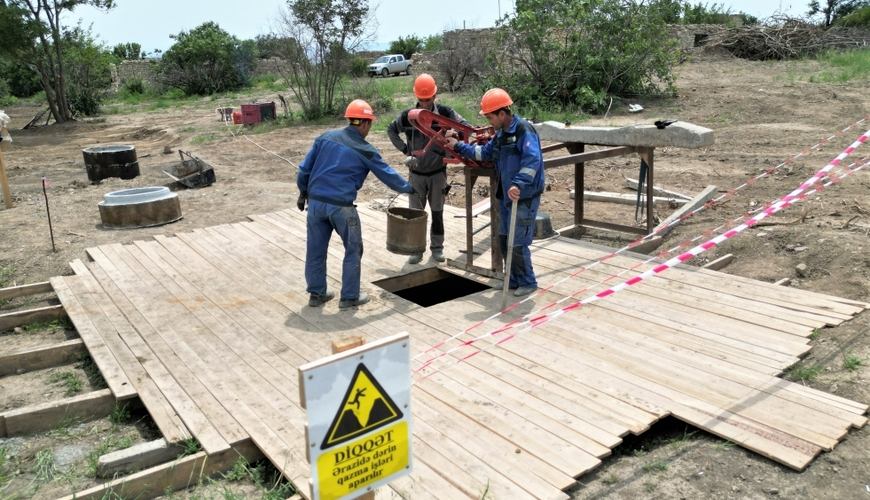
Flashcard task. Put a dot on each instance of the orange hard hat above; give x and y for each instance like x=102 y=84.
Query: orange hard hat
x=494 y=100
x=424 y=86
x=359 y=109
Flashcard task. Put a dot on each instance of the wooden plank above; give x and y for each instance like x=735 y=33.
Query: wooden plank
x=185 y=404
x=720 y=263
x=698 y=201
x=15 y=319
x=119 y=364
x=4 y=183
x=46 y=416
x=658 y=191
x=42 y=357
x=24 y=290
x=622 y=198
x=80 y=310
x=716 y=282
x=176 y=475
x=588 y=156
x=478 y=208
x=247 y=251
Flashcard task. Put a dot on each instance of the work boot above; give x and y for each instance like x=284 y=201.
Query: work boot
x=524 y=290
x=315 y=300
x=415 y=258
x=438 y=255
x=362 y=299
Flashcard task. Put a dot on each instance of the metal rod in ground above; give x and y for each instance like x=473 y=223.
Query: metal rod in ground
x=48 y=211
x=510 y=255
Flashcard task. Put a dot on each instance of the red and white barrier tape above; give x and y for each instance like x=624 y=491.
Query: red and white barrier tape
x=783 y=202
x=673 y=223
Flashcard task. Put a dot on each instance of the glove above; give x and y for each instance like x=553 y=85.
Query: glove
x=414 y=192
x=410 y=162
x=300 y=202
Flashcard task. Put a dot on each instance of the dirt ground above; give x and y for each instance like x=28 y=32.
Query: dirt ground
x=763 y=114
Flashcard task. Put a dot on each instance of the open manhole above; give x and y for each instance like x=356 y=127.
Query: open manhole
x=431 y=286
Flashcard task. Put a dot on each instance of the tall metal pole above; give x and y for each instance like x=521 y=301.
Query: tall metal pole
x=510 y=255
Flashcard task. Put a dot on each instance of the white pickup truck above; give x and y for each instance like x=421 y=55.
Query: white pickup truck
x=392 y=64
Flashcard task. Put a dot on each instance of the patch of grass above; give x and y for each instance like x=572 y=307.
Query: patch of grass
x=62 y=431
x=44 y=468
x=120 y=414
x=239 y=470
x=270 y=125
x=802 y=372
x=657 y=466
x=5 y=476
x=86 y=363
x=5 y=274
x=639 y=453
x=272 y=483
x=816 y=334
x=649 y=486
x=610 y=478
x=271 y=83
x=190 y=446
x=485 y=491
x=851 y=362
x=727 y=445
x=187 y=129
x=201 y=138
x=680 y=443
x=69 y=380
x=846 y=65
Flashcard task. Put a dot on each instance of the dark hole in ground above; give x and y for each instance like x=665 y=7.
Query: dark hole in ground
x=431 y=286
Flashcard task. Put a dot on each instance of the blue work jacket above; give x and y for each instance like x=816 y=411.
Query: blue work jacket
x=338 y=164
x=517 y=156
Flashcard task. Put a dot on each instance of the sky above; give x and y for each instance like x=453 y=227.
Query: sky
x=150 y=22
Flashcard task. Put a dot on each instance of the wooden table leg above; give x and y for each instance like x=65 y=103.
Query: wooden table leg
x=579 y=175
x=4 y=183
x=647 y=155
x=469 y=223
x=497 y=264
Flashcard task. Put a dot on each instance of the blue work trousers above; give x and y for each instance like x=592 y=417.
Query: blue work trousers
x=521 y=272
x=323 y=218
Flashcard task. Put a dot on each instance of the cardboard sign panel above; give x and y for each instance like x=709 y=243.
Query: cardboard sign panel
x=359 y=427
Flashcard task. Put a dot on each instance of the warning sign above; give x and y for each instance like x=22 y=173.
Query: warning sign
x=359 y=428
x=366 y=408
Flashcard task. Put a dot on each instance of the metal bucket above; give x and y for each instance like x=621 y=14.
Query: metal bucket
x=406 y=230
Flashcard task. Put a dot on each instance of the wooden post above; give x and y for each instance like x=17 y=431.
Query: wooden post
x=345 y=344
x=579 y=174
x=4 y=182
x=469 y=227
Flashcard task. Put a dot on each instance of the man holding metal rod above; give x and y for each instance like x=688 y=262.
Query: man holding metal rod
x=519 y=163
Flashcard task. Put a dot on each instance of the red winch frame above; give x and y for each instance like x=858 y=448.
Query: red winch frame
x=433 y=125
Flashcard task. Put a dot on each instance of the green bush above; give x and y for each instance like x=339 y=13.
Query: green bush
x=134 y=86
x=406 y=46
x=207 y=60
x=622 y=50
x=358 y=66
x=379 y=97
x=857 y=19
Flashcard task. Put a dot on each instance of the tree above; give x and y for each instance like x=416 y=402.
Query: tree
x=406 y=46
x=88 y=73
x=574 y=54
x=128 y=51
x=207 y=60
x=31 y=33
x=833 y=10
x=317 y=39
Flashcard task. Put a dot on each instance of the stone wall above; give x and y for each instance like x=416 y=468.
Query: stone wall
x=140 y=67
x=691 y=36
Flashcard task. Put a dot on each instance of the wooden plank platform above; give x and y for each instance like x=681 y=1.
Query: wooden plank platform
x=209 y=327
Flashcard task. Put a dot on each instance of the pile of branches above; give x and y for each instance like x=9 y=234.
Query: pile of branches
x=786 y=38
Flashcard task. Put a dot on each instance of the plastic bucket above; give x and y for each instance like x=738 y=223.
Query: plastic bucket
x=406 y=230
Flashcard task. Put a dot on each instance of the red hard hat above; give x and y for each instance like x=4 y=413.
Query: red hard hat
x=424 y=86
x=359 y=109
x=493 y=100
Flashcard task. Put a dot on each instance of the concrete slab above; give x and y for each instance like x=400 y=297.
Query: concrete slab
x=679 y=134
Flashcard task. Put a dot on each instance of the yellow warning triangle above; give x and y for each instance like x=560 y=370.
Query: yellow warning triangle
x=367 y=406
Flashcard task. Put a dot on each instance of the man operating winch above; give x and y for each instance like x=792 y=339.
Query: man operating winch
x=516 y=152
x=428 y=172
x=329 y=178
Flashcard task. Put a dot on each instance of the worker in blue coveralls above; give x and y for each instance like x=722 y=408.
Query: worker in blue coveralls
x=516 y=151
x=329 y=178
